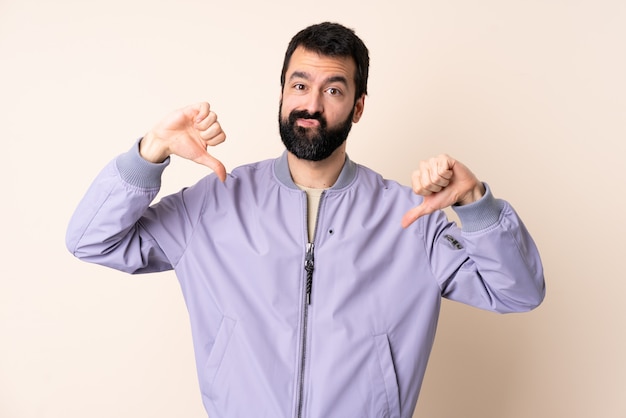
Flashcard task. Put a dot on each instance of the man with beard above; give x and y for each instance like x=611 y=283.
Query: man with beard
x=318 y=306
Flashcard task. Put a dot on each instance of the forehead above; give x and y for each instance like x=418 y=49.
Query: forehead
x=316 y=65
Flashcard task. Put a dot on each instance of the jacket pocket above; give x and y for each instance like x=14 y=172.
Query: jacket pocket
x=216 y=356
x=388 y=378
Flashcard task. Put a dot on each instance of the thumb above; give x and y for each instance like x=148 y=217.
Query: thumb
x=213 y=163
x=415 y=213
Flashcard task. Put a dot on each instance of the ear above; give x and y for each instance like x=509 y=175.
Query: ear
x=358 y=109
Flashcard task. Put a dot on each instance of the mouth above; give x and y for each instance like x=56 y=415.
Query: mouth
x=307 y=123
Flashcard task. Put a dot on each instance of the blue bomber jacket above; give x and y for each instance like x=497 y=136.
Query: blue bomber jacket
x=342 y=327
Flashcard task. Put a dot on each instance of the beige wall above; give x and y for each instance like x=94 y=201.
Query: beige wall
x=530 y=94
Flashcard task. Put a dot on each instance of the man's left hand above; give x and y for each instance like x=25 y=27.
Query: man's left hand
x=443 y=181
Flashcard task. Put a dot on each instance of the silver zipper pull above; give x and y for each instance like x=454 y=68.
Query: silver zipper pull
x=309 y=267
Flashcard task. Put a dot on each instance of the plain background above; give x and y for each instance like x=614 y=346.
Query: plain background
x=530 y=94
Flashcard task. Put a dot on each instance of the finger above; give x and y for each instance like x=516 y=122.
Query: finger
x=423 y=183
x=415 y=213
x=217 y=139
x=417 y=180
x=206 y=122
x=439 y=173
x=435 y=184
x=213 y=135
x=432 y=177
x=203 y=109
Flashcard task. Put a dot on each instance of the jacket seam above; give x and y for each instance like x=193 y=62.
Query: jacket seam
x=194 y=225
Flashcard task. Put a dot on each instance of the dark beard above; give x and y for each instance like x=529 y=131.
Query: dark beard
x=307 y=144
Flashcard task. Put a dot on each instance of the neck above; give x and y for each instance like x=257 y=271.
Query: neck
x=317 y=174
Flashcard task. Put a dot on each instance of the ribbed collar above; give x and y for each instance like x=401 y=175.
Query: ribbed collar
x=281 y=170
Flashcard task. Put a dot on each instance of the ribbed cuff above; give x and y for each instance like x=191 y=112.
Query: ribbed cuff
x=137 y=171
x=481 y=214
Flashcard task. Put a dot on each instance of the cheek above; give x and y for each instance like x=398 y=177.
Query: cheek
x=338 y=118
x=291 y=101
x=285 y=108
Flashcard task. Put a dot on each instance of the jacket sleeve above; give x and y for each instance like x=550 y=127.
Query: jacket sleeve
x=106 y=227
x=492 y=262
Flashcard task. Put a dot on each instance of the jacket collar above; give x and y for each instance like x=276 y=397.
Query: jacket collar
x=281 y=170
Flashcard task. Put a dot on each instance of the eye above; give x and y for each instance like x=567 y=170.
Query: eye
x=333 y=91
x=299 y=87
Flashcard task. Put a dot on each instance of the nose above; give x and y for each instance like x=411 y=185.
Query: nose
x=313 y=102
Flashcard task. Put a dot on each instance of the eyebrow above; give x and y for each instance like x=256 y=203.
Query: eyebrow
x=332 y=79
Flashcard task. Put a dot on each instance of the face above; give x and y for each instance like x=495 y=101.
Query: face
x=318 y=104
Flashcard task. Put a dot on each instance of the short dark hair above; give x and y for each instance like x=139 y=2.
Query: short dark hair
x=333 y=40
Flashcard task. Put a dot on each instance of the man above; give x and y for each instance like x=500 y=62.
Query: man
x=313 y=285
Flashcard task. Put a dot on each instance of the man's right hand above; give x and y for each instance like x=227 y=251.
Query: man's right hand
x=187 y=133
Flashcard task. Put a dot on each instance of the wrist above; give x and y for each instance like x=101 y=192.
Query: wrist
x=474 y=195
x=151 y=150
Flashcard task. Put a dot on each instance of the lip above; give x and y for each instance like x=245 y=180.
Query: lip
x=308 y=123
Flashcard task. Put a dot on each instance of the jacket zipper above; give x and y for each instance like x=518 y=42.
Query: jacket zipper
x=309 y=266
